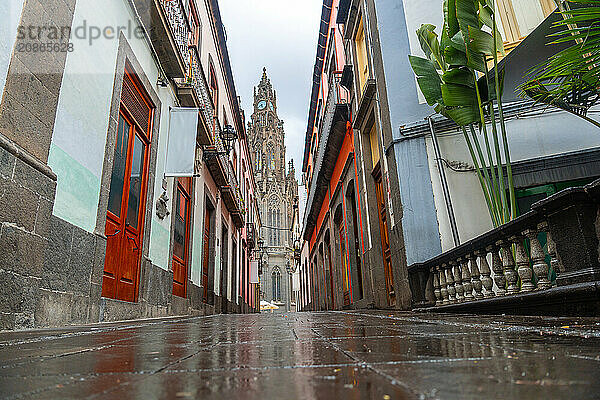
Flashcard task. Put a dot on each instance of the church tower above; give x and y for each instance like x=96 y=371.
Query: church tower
x=277 y=192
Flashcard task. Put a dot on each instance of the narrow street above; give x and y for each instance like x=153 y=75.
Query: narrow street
x=328 y=355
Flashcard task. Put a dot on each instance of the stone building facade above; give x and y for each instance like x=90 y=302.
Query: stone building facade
x=277 y=192
x=416 y=188
x=92 y=225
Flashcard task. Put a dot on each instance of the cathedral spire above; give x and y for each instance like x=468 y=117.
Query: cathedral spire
x=264 y=79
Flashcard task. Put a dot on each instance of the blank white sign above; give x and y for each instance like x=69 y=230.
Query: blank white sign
x=254 y=272
x=181 y=147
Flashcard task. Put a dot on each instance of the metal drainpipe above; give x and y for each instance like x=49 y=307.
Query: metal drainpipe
x=449 y=209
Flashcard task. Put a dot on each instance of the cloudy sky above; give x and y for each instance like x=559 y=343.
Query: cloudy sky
x=282 y=36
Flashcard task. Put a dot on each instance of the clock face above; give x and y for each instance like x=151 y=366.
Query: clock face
x=262 y=104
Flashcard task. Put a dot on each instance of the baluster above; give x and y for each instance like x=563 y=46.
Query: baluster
x=443 y=285
x=475 y=276
x=499 y=277
x=522 y=261
x=466 y=279
x=458 y=281
x=436 y=286
x=537 y=256
x=484 y=267
x=450 y=282
x=555 y=265
x=508 y=266
x=429 y=286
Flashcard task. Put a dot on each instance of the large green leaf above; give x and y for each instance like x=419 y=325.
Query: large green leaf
x=487 y=87
x=428 y=79
x=458 y=95
x=462 y=115
x=458 y=42
x=486 y=15
x=460 y=76
x=430 y=45
x=444 y=42
x=454 y=57
x=466 y=13
x=476 y=61
x=480 y=41
x=450 y=18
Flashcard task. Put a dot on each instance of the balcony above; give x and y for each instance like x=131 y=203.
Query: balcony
x=223 y=173
x=232 y=197
x=543 y=262
x=332 y=131
x=167 y=23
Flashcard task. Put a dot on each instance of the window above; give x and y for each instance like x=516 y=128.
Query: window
x=195 y=25
x=518 y=18
x=374 y=140
x=258 y=159
x=362 y=65
x=214 y=88
x=318 y=113
x=276 y=284
x=271 y=155
x=274 y=221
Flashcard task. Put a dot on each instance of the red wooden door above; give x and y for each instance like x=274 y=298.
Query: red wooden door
x=206 y=255
x=124 y=218
x=127 y=195
x=385 y=242
x=181 y=236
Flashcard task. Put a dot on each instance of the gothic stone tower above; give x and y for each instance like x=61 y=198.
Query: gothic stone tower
x=277 y=192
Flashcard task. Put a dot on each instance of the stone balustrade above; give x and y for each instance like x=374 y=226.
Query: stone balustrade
x=552 y=249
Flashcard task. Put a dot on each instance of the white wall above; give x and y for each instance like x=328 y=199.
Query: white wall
x=529 y=137
x=78 y=143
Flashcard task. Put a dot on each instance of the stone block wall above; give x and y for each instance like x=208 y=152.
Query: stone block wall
x=26 y=196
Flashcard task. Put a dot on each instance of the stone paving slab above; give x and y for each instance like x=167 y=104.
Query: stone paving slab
x=326 y=355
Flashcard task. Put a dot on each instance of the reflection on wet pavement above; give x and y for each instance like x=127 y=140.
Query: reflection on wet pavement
x=329 y=355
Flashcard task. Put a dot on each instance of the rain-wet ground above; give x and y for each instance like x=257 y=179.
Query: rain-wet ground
x=328 y=355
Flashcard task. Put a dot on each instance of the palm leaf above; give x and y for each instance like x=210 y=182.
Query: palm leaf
x=570 y=79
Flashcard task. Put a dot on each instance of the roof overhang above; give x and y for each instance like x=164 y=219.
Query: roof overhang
x=318 y=69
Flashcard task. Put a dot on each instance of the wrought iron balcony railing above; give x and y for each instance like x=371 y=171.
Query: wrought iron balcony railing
x=178 y=22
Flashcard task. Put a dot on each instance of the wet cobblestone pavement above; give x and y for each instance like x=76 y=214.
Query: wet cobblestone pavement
x=329 y=355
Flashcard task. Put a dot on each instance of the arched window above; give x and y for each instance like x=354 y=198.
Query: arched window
x=271 y=155
x=276 y=284
x=273 y=220
x=258 y=159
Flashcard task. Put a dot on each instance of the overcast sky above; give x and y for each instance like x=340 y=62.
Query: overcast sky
x=282 y=36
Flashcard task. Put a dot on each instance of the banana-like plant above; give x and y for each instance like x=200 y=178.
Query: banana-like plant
x=570 y=79
x=455 y=80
